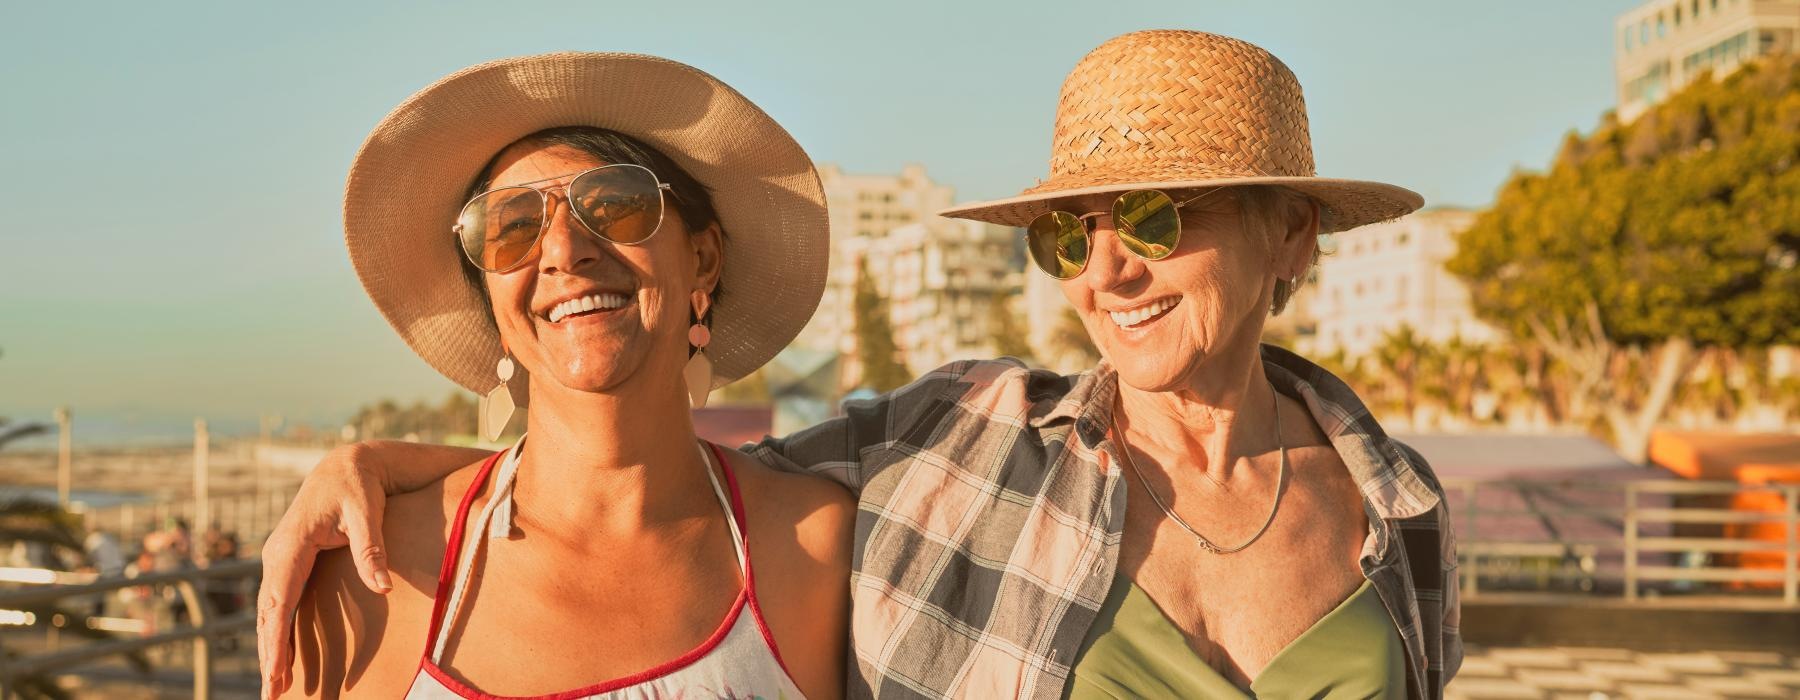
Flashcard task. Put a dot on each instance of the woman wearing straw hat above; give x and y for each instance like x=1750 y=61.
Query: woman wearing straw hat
x=590 y=232
x=1277 y=543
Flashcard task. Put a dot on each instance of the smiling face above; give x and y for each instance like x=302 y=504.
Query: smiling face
x=1159 y=322
x=588 y=314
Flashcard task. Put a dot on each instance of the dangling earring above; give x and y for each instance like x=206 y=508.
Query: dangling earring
x=497 y=405
x=699 y=371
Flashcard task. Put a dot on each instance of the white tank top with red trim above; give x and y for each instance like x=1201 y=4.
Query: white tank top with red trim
x=739 y=659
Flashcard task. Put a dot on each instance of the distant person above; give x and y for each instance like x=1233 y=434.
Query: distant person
x=1277 y=542
x=610 y=236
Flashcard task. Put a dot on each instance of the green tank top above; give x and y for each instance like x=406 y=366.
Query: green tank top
x=1134 y=651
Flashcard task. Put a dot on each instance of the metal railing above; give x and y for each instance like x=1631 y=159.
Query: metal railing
x=190 y=584
x=250 y=515
x=1648 y=527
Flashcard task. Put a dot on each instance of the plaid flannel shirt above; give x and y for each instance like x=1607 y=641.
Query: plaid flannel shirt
x=991 y=512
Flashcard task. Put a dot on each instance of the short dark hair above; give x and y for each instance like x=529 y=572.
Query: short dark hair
x=692 y=200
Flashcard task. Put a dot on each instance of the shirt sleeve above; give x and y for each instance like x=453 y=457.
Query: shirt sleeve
x=852 y=448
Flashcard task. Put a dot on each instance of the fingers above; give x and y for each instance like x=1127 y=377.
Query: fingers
x=363 y=527
x=286 y=563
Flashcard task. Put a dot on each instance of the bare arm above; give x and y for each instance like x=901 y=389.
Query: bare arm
x=339 y=504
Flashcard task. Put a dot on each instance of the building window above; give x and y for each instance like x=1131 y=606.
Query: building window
x=1628 y=39
x=1402 y=238
x=1662 y=27
x=1678 y=16
x=1644 y=32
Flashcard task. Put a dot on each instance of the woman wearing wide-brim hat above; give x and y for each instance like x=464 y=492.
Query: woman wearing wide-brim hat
x=606 y=236
x=1277 y=543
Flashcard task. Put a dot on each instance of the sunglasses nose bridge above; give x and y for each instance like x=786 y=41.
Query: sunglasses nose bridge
x=565 y=242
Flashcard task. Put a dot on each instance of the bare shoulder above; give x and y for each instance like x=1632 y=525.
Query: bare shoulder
x=800 y=530
x=818 y=513
x=350 y=640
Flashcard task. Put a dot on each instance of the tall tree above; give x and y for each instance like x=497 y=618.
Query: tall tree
x=1645 y=244
x=1005 y=331
x=876 y=351
x=1070 y=337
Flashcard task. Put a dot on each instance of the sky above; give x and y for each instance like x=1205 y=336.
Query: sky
x=171 y=190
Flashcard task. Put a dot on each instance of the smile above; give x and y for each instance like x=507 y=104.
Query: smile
x=1143 y=315
x=586 y=305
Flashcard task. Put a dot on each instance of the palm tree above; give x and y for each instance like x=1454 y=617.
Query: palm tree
x=14 y=433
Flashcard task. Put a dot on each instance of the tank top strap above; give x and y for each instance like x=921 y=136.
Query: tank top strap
x=734 y=517
x=448 y=572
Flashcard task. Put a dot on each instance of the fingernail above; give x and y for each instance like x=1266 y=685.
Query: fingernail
x=381 y=580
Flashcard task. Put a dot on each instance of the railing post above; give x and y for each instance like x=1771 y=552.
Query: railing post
x=1791 y=585
x=1631 y=541
x=1471 y=582
x=199 y=615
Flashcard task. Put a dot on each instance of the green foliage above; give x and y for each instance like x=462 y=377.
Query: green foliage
x=751 y=390
x=1008 y=335
x=1071 y=337
x=386 y=419
x=13 y=433
x=876 y=351
x=1683 y=224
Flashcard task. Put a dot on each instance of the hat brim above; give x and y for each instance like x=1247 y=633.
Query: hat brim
x=1345 y=204
x=410 y=178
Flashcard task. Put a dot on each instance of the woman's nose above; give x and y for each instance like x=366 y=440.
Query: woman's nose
x=567 y=245
x=1109 y=263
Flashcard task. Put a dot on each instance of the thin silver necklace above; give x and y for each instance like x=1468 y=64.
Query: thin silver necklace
x=1206 y=544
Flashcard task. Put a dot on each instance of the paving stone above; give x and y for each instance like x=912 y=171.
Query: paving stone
x=1754 y=658
x=1789 y=677
x=1482 y=666
x=1627 y=671
x=1532 y=658
x=1562 y=680
x=1598 y=653
x=1664 y=691
x=1492 y=689
x=1739 y=687
x=1699 y=662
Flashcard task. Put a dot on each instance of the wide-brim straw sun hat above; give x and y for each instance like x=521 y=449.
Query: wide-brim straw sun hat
x=411 y=178
x=1172 y=110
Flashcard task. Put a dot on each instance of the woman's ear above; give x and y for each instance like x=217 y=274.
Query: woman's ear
x=1300 y=237
x=709 y=256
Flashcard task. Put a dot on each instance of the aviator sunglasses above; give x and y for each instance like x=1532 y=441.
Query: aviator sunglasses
x=1148 y=223
x=500 y=228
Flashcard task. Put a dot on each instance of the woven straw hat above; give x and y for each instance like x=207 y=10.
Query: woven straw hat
x=1179 y=109
x=411 y=176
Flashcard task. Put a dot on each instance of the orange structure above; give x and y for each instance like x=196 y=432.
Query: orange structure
x=1749 y=459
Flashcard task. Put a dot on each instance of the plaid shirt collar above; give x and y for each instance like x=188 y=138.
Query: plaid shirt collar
x=1388 y=474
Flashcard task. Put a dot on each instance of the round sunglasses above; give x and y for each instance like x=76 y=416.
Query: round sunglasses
x=500 y=229
x=1148 y=223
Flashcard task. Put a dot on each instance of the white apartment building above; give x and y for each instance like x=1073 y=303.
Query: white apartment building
x=1663 y=45
x=941 y=279
x=862 y=208
x=939 y=276
x=1387 y=275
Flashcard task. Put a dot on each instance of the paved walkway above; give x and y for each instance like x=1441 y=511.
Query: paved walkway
x=1597 y=674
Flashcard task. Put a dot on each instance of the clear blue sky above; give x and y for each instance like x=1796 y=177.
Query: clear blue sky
x=169 y=201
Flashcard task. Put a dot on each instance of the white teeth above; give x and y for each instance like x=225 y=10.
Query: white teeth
x=1127 y=319
x=584 y=304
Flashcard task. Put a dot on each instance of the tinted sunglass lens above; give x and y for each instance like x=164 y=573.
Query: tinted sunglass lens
x=1058 y=243
x=620 y=203
x=1148 y=223
x=499 y=228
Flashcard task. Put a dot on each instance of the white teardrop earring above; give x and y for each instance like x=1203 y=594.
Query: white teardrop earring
x=497 y=406
x=699 y=371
